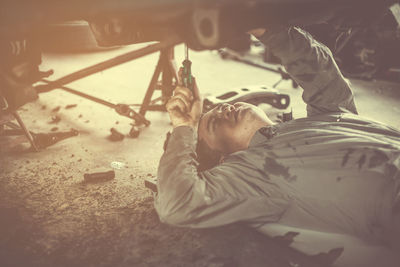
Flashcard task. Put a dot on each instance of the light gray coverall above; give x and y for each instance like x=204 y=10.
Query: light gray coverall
x=333 y=171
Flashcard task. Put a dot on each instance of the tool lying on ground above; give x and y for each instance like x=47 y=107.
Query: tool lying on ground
x=99 y=176
x=43 y=140
x=37 y=140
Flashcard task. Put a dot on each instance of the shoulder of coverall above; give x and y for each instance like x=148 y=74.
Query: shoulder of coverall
x=183 y=132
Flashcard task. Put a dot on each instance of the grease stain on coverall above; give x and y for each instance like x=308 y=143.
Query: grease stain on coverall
x=346 y=156
x=361 y=161
x=289 y=145
x=377 y=159
x=390 y=170
x=273 y=167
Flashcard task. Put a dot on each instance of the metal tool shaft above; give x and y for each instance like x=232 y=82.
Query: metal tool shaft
x=92 y=98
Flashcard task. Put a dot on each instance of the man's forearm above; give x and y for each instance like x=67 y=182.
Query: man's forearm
x=177 y=171
x=312 y=66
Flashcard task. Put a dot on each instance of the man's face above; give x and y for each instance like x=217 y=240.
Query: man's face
x=229 y=128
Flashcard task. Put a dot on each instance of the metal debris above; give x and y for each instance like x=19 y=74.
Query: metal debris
x=99 y=176
x=71 y=106
x=55 y=119
x=117 y=165
x=43 y=140
x=116 y=135
x=56 y=109
x=134 y=132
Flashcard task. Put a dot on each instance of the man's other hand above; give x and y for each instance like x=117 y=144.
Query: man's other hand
x=185 y=107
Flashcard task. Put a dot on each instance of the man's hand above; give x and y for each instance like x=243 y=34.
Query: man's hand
x=185 y=107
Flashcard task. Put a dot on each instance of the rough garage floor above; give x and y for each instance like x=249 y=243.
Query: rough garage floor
x=49 y=217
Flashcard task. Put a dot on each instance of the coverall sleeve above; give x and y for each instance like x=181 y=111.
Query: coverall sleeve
x=225 y=194
x=312 y=66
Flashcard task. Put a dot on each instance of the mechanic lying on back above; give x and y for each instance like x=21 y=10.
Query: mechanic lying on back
x=331 y=172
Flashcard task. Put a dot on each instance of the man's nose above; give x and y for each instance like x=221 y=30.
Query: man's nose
x=225 y=111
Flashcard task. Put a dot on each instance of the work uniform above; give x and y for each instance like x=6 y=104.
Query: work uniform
x=333 y=171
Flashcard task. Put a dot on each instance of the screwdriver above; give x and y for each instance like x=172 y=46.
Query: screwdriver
x=187 y=77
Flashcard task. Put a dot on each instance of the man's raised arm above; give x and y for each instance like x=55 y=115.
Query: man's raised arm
x=311 y=65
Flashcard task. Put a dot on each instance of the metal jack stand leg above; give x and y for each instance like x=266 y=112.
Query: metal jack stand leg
x=26 y=132
x=167 y=68
x=20 y=129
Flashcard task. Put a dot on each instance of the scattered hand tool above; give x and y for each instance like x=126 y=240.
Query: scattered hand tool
x=43 y=140
x=116 y=135
x=99 y=176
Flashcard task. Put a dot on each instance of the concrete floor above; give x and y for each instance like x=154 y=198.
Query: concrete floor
x=49 y=217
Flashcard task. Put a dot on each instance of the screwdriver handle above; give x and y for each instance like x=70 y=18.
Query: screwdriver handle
x=187 y=78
